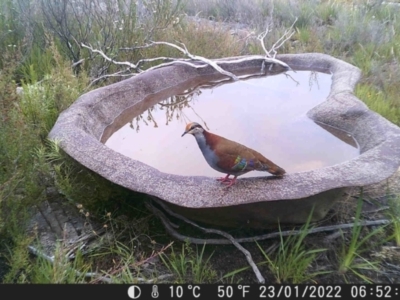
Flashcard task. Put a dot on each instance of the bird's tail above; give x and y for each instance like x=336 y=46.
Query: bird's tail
x=274 y=169
x=278 y=171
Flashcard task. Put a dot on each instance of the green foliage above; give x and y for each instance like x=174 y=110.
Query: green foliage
x=19 y=184
x=394 y=215
x=8 y=134
x=61 y=270
x=327 y=12
x=189 y=266
x=350 y=258
x=42 y=101
x=11 y=30
x=127 y=261
x=78 y=184
x=26 y=120
x=292 y=260
x=38 y=65
x=379 y=102
x=41 y=270
x=19 y=260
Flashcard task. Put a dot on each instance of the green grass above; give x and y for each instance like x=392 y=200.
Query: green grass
x=350 y=258
x=292 y=261
x=377 y=101
x=61 y=270
x=189 y=265
x=394 y=215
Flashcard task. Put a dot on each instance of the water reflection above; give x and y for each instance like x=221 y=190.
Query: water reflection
x=173 y=108
x=267 y=114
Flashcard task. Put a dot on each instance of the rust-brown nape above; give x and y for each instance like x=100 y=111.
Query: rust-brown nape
x=211 y=139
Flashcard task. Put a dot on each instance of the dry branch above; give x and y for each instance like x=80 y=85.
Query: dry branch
x=185 y=51
x=196 y=61
x=124 y=63
x=139 y=279
x=286 y=36
x=219 y=232
x=214 y=64
x=235 y=241
x=50 y=259
x=272 y=235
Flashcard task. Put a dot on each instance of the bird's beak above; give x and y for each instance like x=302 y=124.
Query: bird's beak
x=184 y=133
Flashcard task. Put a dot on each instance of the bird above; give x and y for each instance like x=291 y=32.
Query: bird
x=229 y=157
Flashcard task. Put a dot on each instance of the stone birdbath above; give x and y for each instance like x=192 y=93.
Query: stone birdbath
x=256 y=202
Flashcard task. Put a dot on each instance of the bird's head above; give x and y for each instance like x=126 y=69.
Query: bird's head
x=193 y=128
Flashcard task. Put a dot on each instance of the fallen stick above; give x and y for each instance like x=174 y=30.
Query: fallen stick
x=219 y=232
x=231 y=240
x=275 y=234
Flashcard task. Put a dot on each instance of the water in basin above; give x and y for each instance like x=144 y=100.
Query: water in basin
x=267 y=114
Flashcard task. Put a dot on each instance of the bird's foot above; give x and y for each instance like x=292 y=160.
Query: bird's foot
x=229 y=182
x=224 y=179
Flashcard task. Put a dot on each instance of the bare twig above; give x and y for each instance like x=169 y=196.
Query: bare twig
x=154 y=254
x=193 y=61
x=159 y=278
x=163 y=58
x=214 y=64
x=294 y=80
x=131 y=66
x=271 y=54
x=286 y=36
x=119 y=269
x=377 y=210
x=78 y=62
x=235 y=242
x=170 y=229
x=39 y=253
x=219 y=232
x=124 y=63
x=261 y=38
x=332 y=236
x=185 y=51
x=267 y=236
x=81 y=242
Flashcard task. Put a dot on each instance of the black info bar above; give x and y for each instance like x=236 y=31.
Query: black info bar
x=202 y=291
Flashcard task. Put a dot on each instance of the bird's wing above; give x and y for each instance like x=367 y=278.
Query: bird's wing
x=236 y=157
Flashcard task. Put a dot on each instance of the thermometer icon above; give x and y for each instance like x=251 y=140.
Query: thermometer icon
x=154 y=292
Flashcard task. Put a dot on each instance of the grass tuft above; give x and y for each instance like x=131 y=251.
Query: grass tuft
x=394 y=215
x=189 y=265
x=350 y=258
x=292 y=260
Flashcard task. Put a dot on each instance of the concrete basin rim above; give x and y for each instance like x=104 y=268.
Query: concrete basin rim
x=174 y=186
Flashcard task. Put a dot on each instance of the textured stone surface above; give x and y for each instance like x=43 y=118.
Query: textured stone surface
x=80 y=127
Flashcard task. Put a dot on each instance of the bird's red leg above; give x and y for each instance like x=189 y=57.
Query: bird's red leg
x=231 y=182
x=224 y=179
